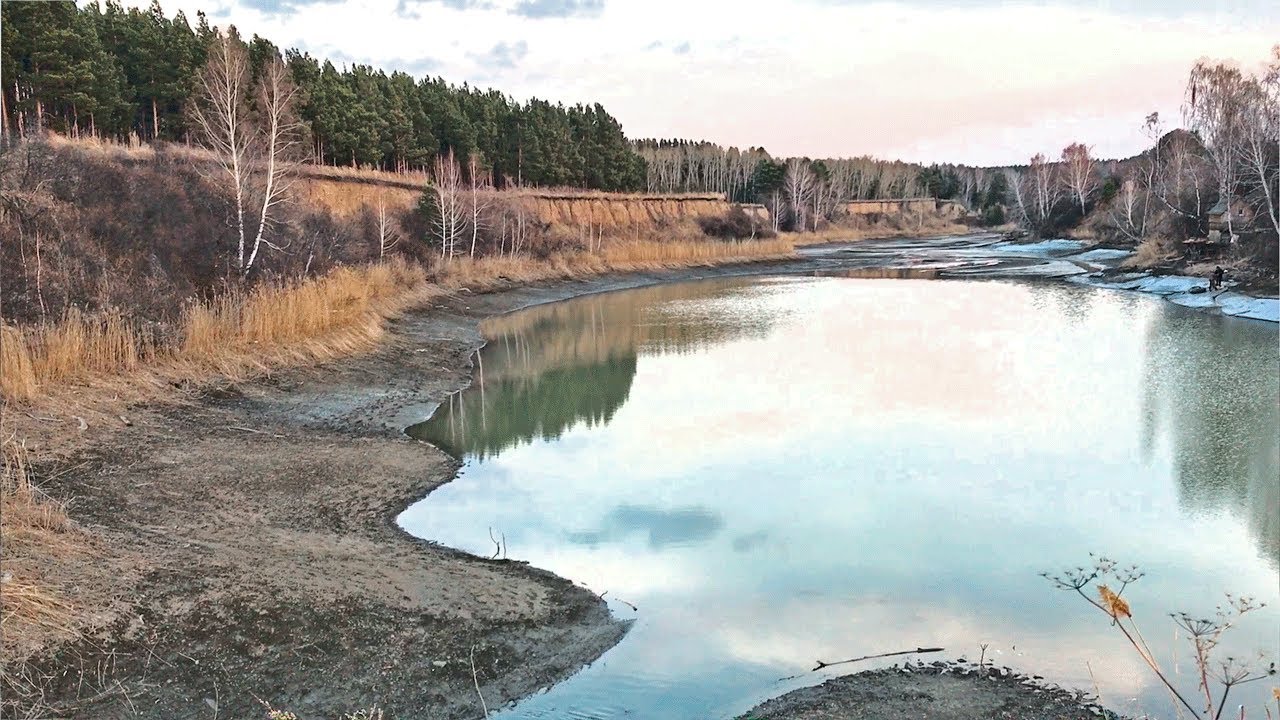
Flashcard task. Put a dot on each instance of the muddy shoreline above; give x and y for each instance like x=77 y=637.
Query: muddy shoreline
x=939 y=690
x=247 y=553
x=250 y=553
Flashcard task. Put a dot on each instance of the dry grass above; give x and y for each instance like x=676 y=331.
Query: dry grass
x=235 y=335
x=858 y=228
x=344 y=198
x=32 y=611
x=1152 y=252
x=487 y=273
x=642 y=254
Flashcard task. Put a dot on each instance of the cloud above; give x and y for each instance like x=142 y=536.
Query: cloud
x=662 y=528
x=541 y=9
x=413 y=8
x=503 y=56
x=750 y=541
x=1257 y=10
x=283 y=7
x=414 y=66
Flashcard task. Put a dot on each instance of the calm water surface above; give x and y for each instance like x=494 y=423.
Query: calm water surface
x=785 y=470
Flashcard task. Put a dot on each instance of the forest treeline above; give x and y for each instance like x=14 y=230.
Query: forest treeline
x=113 y=72
x=120 y=73
x=134 y=75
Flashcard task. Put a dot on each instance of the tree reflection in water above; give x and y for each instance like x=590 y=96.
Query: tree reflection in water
x=541 y=373
x=1201 y=392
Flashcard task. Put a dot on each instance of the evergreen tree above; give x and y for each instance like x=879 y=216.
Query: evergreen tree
x=114 y=71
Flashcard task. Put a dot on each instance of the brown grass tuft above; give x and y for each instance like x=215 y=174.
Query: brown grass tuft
x=1152 y=252
x=17 y=375
x=32 y=611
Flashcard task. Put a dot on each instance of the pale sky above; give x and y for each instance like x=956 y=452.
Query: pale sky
x=971 y=81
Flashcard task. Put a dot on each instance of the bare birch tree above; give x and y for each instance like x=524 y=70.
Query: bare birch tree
x=774 y=204
x=1078 y=171
x=388 y=235
x=1259 y=147
x=1214 y=109
x=1017 y=183
x=799 y=184
x=277 y=141
x=447 y=189
x=1129 y=211
x=1044 y=188
x=481 y=182
x=220 y=118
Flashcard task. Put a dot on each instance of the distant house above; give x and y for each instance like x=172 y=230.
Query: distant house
x=1219 y=223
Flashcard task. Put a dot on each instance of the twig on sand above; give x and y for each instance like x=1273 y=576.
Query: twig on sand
x=251 y=430
x=822 y=664
x=476 y=679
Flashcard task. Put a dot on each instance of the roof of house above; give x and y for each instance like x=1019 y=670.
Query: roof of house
x=1220 y=208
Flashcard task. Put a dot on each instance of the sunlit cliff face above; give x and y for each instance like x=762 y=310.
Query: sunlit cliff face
x=980 y=82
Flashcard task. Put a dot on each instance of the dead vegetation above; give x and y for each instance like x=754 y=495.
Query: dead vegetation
x=864 y=227
x=233 y=336
x=35 y=609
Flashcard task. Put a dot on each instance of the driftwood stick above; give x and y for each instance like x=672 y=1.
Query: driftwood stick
x=475 y=678
x=822 y=664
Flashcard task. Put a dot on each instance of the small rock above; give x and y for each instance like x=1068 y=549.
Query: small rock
x=439 y=663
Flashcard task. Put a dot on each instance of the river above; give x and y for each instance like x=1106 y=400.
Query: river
x=765 y=472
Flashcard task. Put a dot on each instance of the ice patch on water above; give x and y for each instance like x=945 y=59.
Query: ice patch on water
x=1044 y=247
x=1048 y=269
x=1170 y=284
x=1176 y=289
x=1238 y=305
x=1101 y=255
x=1193 y=300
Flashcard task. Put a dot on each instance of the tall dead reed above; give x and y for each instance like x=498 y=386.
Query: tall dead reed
x=234 y=333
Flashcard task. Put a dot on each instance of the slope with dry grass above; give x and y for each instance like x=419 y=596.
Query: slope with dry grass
x=863 y=227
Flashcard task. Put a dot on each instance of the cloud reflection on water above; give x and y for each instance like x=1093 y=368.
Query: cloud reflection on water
x=828 y=468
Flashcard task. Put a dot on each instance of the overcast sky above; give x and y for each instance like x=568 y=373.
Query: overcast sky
x=974 y=81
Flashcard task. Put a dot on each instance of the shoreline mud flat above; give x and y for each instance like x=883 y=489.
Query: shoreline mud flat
x=248 y=546
x=939 y=691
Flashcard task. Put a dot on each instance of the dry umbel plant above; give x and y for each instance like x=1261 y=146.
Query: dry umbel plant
x=1203 y=633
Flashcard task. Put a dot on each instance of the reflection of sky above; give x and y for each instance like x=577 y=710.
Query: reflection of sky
x=888 y=466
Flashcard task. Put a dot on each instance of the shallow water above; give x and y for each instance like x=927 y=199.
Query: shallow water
x=779 y=471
